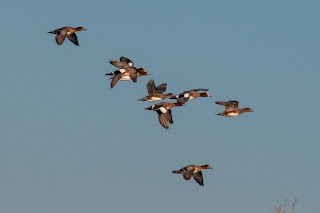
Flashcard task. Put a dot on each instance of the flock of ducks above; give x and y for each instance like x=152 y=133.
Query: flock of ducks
x=126 y=71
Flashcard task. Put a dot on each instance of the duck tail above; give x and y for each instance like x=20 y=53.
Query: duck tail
x=176 y=172
x=149 y=108
x=143 y=99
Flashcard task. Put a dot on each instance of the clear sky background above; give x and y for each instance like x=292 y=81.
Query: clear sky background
x=70 y=144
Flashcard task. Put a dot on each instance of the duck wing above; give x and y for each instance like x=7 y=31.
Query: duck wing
x=161 y=88
x=187 y=174
x=60 y=35
x=198 y=178
x=73 y=38
x=127 y=61
x=119 y=64
x=115 y=79
x=152 y=90
x=134 y=77
x=170 y=116
x=229 y=105
x=196 y=90
x=163 y=119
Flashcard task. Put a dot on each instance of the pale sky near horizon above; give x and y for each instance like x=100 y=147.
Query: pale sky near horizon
x=70 y=144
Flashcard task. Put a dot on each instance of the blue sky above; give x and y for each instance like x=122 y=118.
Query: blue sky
x=70 y=144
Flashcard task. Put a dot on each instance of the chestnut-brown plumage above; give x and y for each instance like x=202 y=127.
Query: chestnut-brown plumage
x=156 y=93
x=190 y=94
x=231 y=108
x=68 y=32
x=126 y=71
x=192 y=171
x=164 y=112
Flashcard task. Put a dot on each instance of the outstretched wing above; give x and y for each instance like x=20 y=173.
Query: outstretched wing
x=198 y=178
x=73 y=38
x=163 y=120
x=187 y=174
x=134 y=77
x=119 y=64
x=196 y=90
x=152 y=90
x=170 y=116
x=229 y=105
x=127 y=61
x=115 y=79
x=161 y=88
x=60 y=36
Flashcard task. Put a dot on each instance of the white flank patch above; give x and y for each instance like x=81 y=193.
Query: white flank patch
x=163 y=110
x=232 y=114
x=130 y=64
x=186 y=95
x=156 y=99
x=122 y=70
x=125 y=78
x=191 y=98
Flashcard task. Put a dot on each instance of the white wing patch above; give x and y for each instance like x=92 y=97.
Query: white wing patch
x=163 y=110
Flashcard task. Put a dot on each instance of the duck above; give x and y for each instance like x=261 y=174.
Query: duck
x=164 y=112
x=231 y=108
x=156 y=93
x=68 y=32
x=126 y=71
x=193 y=171
x=190 y=94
